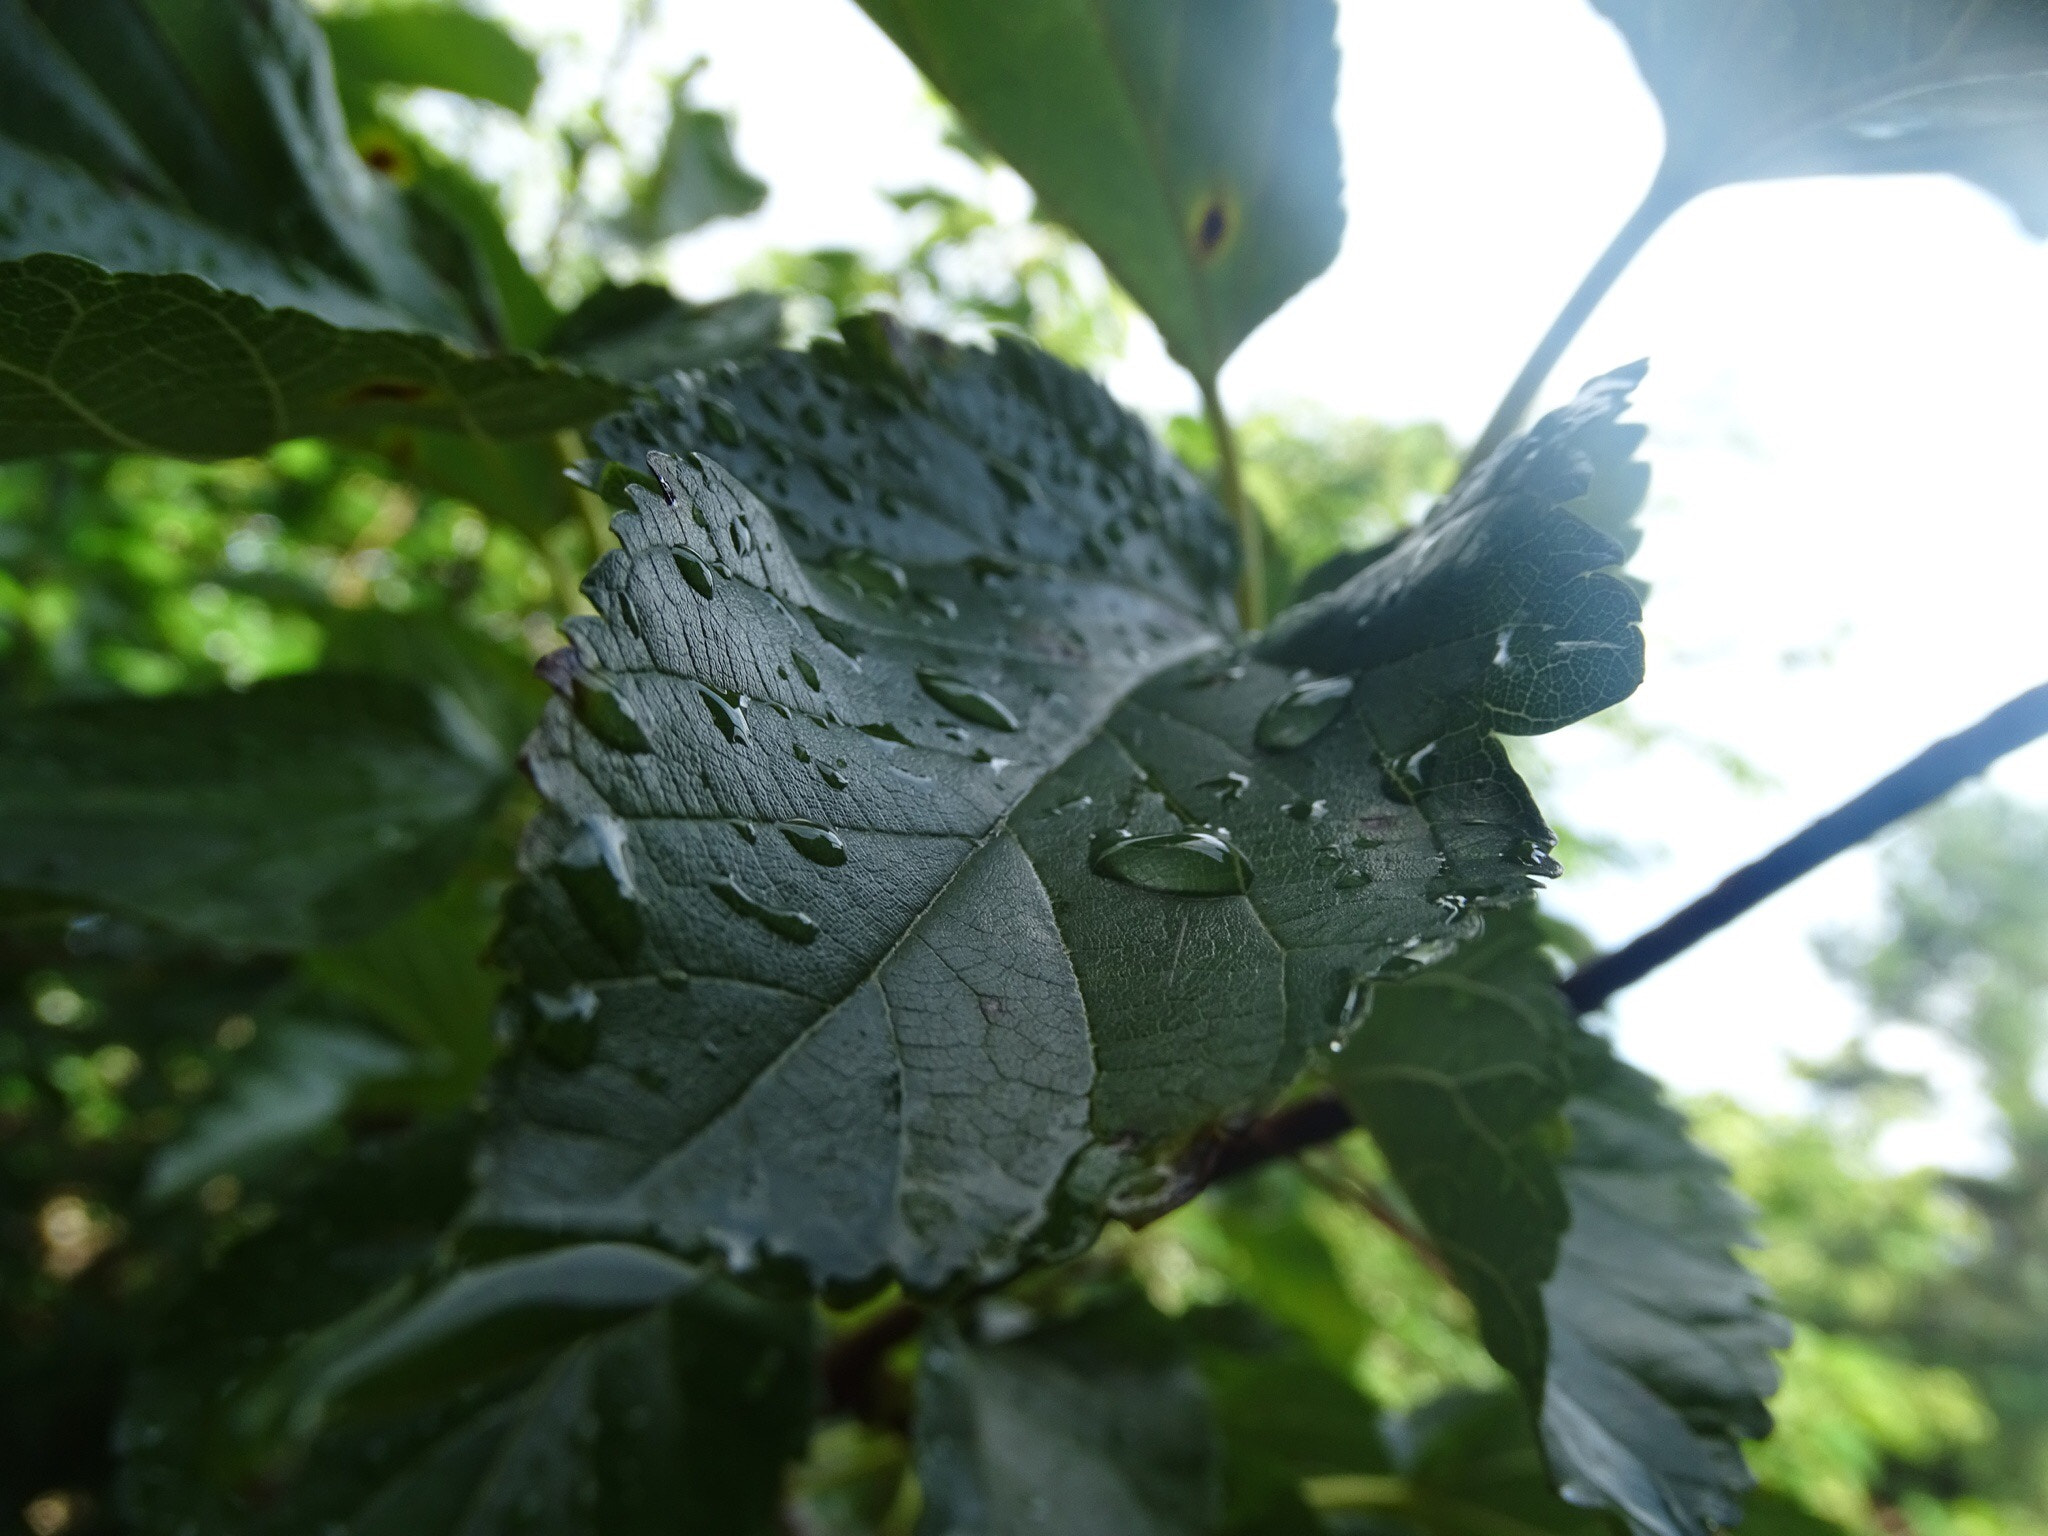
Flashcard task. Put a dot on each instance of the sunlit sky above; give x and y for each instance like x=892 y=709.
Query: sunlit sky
x=1849 y=381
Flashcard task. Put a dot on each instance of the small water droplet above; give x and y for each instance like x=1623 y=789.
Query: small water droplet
x=1307 y=810
x=1192 y=862
x=797 y=927
x=1302 y=713
x=821 y=845
x=989 y=568
x=1501 y=657
x=1356 y=1009
x=694 y=571
x=812 y=420
x=1535 y=857
x=966 y=700
x=565 y=1026
x=1016 y=484
x=728 y=713
x=742 y=537
x=940 y=604
x=837 y=482
x=746 y=831
x=609 y=718
x=800 y=752
x=883 y=730
x=723 y=422
x=878 y=577
x=1078 y=803
x=806 y=669
x=711 y=1048
x=833 y=778
x=1229 y=786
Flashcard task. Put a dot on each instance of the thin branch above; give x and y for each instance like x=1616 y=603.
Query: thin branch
x=1663 y=199
x=1923 y=780
x=1244 y=515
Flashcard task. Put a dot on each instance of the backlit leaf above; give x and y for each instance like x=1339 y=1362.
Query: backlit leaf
x=1190 y=142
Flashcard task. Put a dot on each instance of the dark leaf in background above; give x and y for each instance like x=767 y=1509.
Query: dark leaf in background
x=303 y=811
x=1592 y=1236
x=442 y=47
x=1190 y=142
x=204 y=137
x=641 y=331
x=555 y=1393
x=851 y=842
x=1834 y=87
x=696 y=179
x=1097 y=1426
x=137 y=363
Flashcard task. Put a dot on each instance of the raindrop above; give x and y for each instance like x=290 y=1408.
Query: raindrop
x=723 y=422
x=813 y=420
x=966 y=700
x=693 y=571
x=806 y=669
x=883 y=730
x=797 y=927
x=608 y=716
x=1229 y=786
x=565 y=1026
x=742 y=537
x=595 y=874
x=800 y=752
x=821 y=845
x=877 y=577
x=1078 y=803
x=833 y=778
x=940 y=604
x=746 y=831
x=1357 y=1008
x=837 y=483
x=1500 y=648
x=728 y=713
x=1302 y=713
x=1307 y=810
x=1016 y=484
x=1193 y=862
x=838 y=635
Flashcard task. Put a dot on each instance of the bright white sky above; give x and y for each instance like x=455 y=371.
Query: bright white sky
x=1848 y=385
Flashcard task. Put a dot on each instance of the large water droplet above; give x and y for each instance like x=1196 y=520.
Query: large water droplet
x=797 y=927
x=1229 y=786
x=821 y=845
x=1194 y=862
x=966 y=700
x=728 y=713
x=694 y=571
x=609 y=718
x=833 y=778
x=883 y=730
x=1302 y=713
x=879 y=577
x=595 y=874
x=742 y=537
x=806 y=669
x=723 y=422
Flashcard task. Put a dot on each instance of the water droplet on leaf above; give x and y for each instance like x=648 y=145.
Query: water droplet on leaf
x=880 y=578
x=1307 y=810
x=1228 y=787
x=966 y=700
x=728 y=713
x=1302 y=713
x=1193 y=862
x=609 y=718
x=797 y=927
x=821 y=845
x=806 y=669
x=694 y=571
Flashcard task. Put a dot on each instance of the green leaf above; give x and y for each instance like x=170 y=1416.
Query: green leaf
x=151 y=364
x=696 y=179
x=306 y=810
x=648 y=1419
x=1190 y=142
x=859 y=813
x=292 y=1089
x=1593 y=1238
x=643 y=332
x=1098 y=1426
x=442 y=47
x=204 y=137
x=1833 y=87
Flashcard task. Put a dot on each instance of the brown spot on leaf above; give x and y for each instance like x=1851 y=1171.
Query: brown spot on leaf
x=1215 y=221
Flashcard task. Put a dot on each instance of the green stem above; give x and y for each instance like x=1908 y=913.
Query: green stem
x=1251 y=535
x=1665 y=197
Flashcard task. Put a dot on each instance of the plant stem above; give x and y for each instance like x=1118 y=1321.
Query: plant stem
x=1662 y=200
x=1899 y=793
x=1251 y=535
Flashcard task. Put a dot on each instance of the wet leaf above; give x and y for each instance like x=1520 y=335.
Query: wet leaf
x=1842 y=87
x=1190 y=142
x=1592 y=1236
x=940 y=1055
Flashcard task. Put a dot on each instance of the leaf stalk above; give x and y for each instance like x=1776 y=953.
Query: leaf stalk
x=1244 y=513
